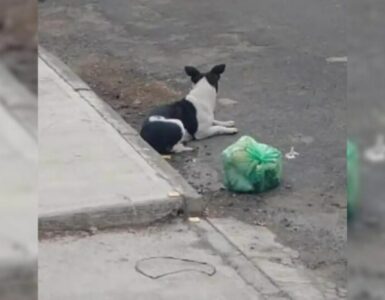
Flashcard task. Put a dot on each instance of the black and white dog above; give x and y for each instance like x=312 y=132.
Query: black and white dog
x=168 y=126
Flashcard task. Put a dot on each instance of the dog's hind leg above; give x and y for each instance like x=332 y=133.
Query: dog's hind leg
x=215 y=130
x=224 y=123
x=178 y=148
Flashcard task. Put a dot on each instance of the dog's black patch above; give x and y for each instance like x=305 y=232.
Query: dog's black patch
x=182 y=110
x=212 y=77
x=188 y=116
x=162 y=136
x=193 y=73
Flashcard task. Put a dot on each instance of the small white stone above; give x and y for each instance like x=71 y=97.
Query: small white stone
x=337 y=59
x=227 y=102
x=194 y=219
x=292 y=154
x=173 y=194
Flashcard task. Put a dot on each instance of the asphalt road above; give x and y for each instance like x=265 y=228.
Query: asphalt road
x=287 y=94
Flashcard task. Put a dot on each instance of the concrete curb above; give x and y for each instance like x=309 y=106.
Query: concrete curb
x=261 y=283
x=266 y=265
x=110 y=217
x=190 y=199
x=276 y=262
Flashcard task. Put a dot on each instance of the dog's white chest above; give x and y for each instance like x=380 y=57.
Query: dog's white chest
x=203 y=96
x=205 y=115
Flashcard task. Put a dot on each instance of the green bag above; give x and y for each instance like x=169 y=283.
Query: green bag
x=352 y=165
x=250 y=166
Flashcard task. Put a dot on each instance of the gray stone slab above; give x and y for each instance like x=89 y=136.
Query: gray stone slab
x=103 y=267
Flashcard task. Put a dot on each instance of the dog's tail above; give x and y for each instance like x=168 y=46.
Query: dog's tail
x=161 y=135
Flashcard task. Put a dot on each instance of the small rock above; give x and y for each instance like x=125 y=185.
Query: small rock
x=337 y=59
x=227 y=102
x=259 y=223
x=194 y=219
x=93 y=230
x=341 y=292
x=206 y=211
x=339 y=205
x=173 y=194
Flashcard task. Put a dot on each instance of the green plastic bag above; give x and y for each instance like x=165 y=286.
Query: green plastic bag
x=251 y=167
x=352 y=165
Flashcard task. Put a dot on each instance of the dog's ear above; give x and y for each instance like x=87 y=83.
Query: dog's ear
x=218 y=69
x=192 y=71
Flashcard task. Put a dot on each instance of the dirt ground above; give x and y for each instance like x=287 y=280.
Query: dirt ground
x=18 y=39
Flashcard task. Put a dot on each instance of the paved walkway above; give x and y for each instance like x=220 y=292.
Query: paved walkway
x=240 y=261
x=18 y=197
x=94 y=169
x=103 y=267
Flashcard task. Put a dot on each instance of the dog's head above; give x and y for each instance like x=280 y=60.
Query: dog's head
x=212 y=76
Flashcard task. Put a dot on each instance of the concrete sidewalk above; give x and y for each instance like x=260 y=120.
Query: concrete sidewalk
x=103 y=266
x=18 y=195
x=237 y=261
x=95 y=171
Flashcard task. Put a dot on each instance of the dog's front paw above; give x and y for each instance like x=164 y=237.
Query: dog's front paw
x=229 y=123
x=233 y=130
